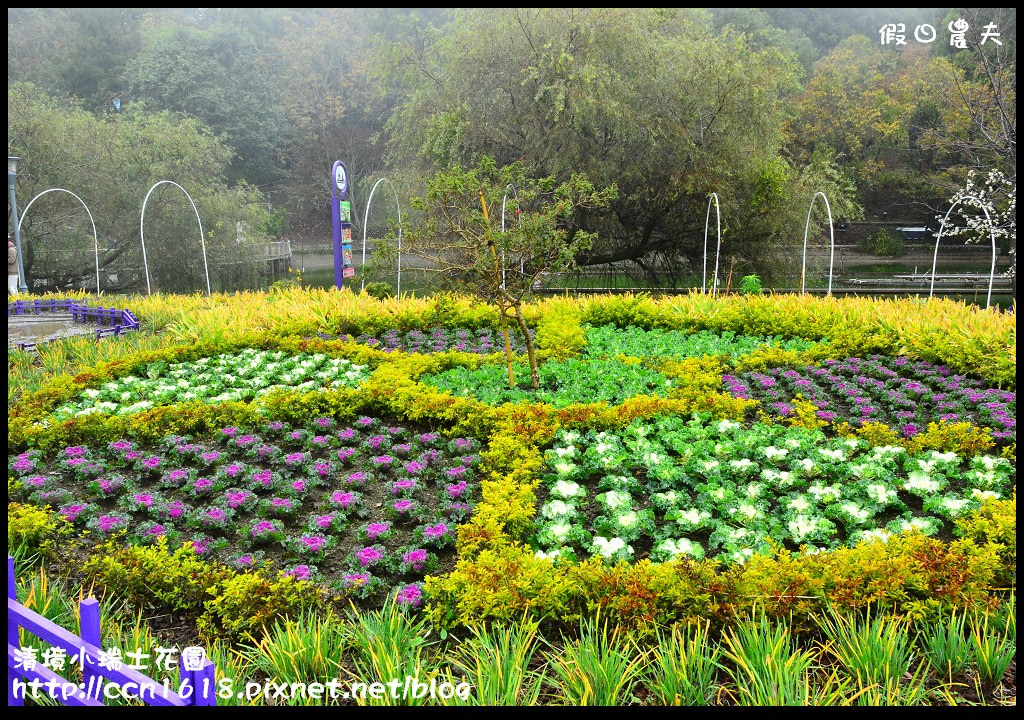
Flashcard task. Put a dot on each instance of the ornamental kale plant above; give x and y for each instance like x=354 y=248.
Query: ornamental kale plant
x=482 y=342
x=562 y=383
x=315 y=508
x=228 y=377
x=905 y=394
x=609 y=341
x=699 y=487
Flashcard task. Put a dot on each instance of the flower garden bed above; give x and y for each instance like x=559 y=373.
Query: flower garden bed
x=482 y=341
x=685 y=459
x=900 y=392
x=364 y=507
x=676 y=488
x=223 y=378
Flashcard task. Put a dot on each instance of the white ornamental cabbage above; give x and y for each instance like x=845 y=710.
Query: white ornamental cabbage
x=984 y=495
x=557 y=509
x=565 y=468
x=693 y=517
x=856 y=512
x=772 y=452
x=801 y=526
x=567 y=489
x=920 y=483
x=627 y=520
x=609 y=548
x=674 y=548
x=727 y=426
x=955 y=506
x=615 y=499
x=876 y=535
x=747 y=511
x=743 y=465
x=881 y=494
x=834 y=455
x=799 y=504
x=559 y=530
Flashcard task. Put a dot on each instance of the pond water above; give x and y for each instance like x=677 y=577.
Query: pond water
x=26 y=329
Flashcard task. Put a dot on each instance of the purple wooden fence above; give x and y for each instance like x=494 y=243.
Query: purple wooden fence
x=197 y=687
x=116 y=321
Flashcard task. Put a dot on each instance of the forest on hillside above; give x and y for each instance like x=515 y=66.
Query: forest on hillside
x=248 y=109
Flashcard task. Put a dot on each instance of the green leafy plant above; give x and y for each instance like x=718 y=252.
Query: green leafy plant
x=885 y=243
x=946 y=646
x=496 y=663
x=308 y=646
x=379 y=290
x=877 y=654
x=767 y=668
x=387 y=644
x=598 y=668
x=750 y=285
x=561 y=383
x=993 y=650
x=685 y=666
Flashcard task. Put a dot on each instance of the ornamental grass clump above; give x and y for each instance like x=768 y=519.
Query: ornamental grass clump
x=599 y=668
x=685 y=666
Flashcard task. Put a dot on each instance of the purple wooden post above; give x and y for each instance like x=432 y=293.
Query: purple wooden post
x=13 y=636
x=20 y=307
x=89 y=611
x=203 y=683
x=36 y=304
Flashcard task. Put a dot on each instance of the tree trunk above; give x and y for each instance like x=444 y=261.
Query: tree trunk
x=534 y=372
x=508 y=344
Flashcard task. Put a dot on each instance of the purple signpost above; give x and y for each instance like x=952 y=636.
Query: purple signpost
x=341 y=217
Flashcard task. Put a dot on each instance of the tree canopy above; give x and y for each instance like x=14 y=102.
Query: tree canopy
x=764 y=107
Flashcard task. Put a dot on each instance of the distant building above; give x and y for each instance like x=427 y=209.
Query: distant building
x=916 y=233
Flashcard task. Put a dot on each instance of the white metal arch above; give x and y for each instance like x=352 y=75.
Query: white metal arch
x=202 y=237
x=707 y=221
x=504 y=198
x=831 y=240
x=992 y=230
x=95 y=238
x=366 y=218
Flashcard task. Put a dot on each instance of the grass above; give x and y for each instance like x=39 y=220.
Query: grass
x=308 y=648
x=868 y=660
x=877 y=654
x=994 y=649
x=685 y=667
x=599 y=668
x=767 y=668
x=946 y=646
x=388 y=644
x=496 y=662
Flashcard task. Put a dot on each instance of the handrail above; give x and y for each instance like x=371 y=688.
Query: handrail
x=25 y=672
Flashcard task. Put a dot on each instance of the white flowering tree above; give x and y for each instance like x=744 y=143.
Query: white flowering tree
x=997 y=194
